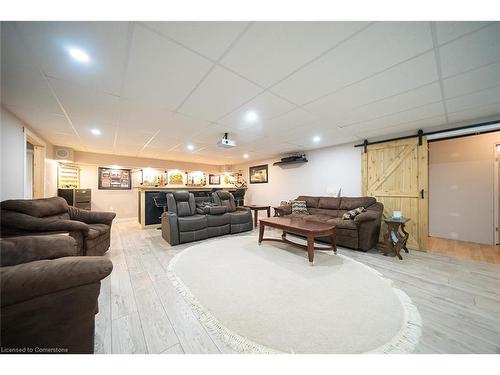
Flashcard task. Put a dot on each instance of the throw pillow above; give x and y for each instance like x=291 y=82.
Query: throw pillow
x=299 y=207
x=350 y=215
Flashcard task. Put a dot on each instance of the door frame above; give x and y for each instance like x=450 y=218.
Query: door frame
x=39 y=154
x=496 y=196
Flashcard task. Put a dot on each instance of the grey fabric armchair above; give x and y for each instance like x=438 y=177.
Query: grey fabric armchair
x=48 y=294
x=240 y=217
x=90 y=229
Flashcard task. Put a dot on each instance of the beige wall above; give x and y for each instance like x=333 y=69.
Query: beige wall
x=123 y=202
x=327 y=170
x=461 y=188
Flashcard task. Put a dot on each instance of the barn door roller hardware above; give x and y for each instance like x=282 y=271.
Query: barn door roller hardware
x=485 y=127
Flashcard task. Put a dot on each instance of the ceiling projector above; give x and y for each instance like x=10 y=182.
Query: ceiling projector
x=225 y=142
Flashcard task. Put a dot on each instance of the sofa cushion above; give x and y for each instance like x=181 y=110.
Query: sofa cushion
x=240 y=217
x=37 y=207
x=218 y=220
x=310 y=201
x=344 y=224
x=191 y=223
x=319 y=218
x=352 y=203
x=329 y=203
x=322 y=211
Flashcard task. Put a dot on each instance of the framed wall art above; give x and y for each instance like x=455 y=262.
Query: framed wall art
x=214 y=179
x=259 y=174
x=114 y=179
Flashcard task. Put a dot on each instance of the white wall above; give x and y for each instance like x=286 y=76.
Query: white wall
x=461 y=188
x=13 y=154
x=328 y=170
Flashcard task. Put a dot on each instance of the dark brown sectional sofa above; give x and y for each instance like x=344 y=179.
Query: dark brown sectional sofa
x=362 y=233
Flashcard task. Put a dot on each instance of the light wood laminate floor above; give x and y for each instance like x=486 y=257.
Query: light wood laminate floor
x=140 y=312
x=464 y=249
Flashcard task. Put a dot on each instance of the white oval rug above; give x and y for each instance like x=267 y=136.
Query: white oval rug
x=267 y=299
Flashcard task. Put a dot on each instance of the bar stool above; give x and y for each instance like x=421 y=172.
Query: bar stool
x=160 y=200
x=239 y=197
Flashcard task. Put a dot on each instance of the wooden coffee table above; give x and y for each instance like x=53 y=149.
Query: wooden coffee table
x=301 y=227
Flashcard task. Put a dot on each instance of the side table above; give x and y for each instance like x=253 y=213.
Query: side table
x=396 y=236
x=256 y=208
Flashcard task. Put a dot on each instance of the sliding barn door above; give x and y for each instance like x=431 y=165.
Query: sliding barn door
x=396 y=174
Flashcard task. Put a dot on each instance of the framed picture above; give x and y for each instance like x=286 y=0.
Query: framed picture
x=214 y=179
x=114 y=179
x=258 y=174
x=176 y=178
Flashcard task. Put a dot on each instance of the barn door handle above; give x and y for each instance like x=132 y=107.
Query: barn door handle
x=422 y=193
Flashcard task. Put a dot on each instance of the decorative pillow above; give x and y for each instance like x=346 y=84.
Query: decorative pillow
x=350 y=215
x=299 y=207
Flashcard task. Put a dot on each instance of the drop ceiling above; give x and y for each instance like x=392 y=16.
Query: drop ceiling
x=152 y=88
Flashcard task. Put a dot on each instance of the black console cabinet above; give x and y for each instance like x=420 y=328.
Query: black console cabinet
x=79 y=198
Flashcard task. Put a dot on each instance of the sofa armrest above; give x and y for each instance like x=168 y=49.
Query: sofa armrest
x=366 y=216
x=91 y=217
x=246 y=209
x=29 y=223
x=34 y=279
x=170 y=228
x=17 y=250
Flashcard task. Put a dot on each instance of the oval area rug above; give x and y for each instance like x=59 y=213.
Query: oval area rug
x=267 y=299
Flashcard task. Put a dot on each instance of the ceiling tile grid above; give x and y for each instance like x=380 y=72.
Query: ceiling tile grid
x=155 y=88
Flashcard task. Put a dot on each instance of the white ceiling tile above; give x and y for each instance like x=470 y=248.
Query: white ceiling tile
x=409 y=75
x=475 y=80
x=138 y=115
x=43 y=122
x=84 y=105
x=161 y=72
x=449 y=30
x=208 y=38
x=377 y=48
x=104 y=42
x=14 y=52
x=220 y=93
x=269 y=51
x=476 y=113
x=412 y=126
x=106 y=137
x=403 y=102
x=289 y=121
x=27 y=88
x=420 y=113
x=476 y=99
x=266 y=106
x=471 y=51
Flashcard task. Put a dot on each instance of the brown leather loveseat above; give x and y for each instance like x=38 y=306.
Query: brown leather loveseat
x=361 y=233
x=90 y=229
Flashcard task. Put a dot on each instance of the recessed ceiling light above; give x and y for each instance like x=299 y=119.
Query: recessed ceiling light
x=251 y=116
x=79 y=55
x=96 y=131
x=190 y=147
x=316 y=139
x=245 y=156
